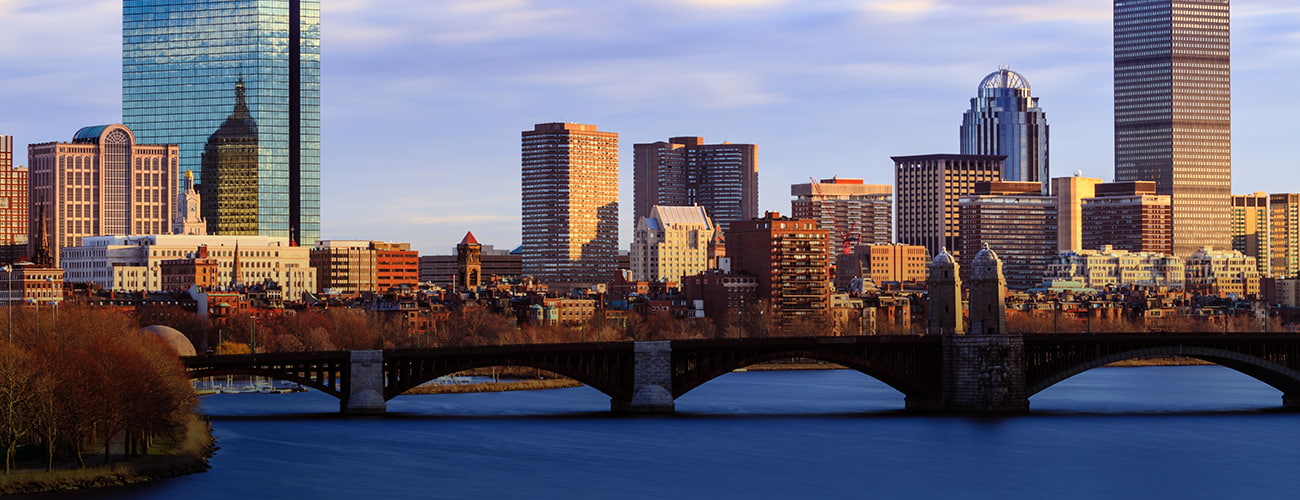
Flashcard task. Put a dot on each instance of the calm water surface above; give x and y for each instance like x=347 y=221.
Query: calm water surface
x=1161 y=432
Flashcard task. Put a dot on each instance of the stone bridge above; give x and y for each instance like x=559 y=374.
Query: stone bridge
x=943 y=373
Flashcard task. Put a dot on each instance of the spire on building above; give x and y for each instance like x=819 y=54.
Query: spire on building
x=189 y=219
x=41 y=255
x=236 y=273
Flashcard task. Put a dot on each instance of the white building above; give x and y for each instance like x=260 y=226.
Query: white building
x=133 y=263
x=1100 y=268
x=671 y=243
x=1222 y=272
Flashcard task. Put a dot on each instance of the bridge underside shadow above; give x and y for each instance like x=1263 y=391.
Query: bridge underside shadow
x=1280 y=377
x=606 y=369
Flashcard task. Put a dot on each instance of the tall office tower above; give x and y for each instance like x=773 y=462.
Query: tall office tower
x=1250 y=227
x=671 y=243
x=788 y=256
x=13 y=204
x=1128 y=216
x=853 y=212
x=928 y=193
x=1172 y=104
x=723 y=178
x=101 y=183
x=182 y=61
x=1284 y=234
x=1069 y=193
x=570 y=203
x=1004 y=119
x=1018 y=222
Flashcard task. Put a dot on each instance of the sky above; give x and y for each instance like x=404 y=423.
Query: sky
x=423 y=101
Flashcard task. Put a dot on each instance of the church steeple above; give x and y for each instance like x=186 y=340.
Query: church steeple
x=188 y=218
x=41 y=255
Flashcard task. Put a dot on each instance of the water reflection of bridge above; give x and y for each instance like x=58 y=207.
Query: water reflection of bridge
x=990 y=373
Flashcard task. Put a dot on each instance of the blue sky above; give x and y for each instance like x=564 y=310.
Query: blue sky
x=423 y=100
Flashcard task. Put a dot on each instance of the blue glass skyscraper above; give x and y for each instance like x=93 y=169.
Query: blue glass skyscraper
x=182 y=61
x=1004 y=119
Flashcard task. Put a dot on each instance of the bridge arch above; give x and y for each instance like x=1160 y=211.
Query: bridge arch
x=1278 y=376
x=268 y=373
x=608 y=387
x=688 y=380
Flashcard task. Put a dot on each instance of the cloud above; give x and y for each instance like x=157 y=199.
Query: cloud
x=729 y=4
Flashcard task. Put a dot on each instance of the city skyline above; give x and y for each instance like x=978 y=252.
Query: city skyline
x=800 y=80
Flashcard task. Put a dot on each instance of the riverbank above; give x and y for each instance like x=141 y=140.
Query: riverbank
x=501 y=386
x=187 y=456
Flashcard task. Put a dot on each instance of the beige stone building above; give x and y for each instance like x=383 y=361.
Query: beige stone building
x=1223 y=273
x=672 y=242
x=101 y=183
x=1250 y=227
x=1098 y=269
x=135 y=263
x=1070 y=193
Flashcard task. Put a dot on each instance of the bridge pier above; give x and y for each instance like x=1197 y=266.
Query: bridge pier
x=652 y=385
x=365 y=384
x=981 y=374
x=1291 y=401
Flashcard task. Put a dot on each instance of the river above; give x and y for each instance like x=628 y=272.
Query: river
x=1155 y=432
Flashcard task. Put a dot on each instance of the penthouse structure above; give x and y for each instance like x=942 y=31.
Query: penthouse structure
x=855 y=213
x=1004 y=119
x=671 y=243
x=101 y=183
x=684 y=171
x=570 y=204
x=1128 y=216
x=929 y=189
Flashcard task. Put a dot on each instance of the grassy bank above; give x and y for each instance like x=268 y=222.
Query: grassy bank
x=519 y=385
x=1162 y=361
x=187 y=453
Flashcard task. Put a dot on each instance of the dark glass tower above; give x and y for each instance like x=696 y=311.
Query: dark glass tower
x=181 y=59
x=1004 y=119
x=1172 y=112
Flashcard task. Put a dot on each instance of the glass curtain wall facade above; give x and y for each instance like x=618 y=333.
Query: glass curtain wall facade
x=182 y=61
x=1172 y=105
x=1004 y=119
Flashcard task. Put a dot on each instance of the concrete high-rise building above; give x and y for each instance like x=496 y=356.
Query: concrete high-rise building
x=1284 y=234
x=1004 y=119
x=722 y=178
x=1127 y=216
x=13 y=204
x=671 y=243
x=789 y=258
x=101 y=183
x=855 y=213
x=1172 y=112
x=570 y=203
x=182 y=61
x=1069 y=193
x=1250 y=227
x=928 y=193
x=1017 y=220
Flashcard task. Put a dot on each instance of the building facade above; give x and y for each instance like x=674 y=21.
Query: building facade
x=1172 y=111
x=1004 y=119
x=570 y=204
x=1223 y=273
x=788 y=257
x=881 y=264
x=1284 y=234
x=928 y=193
x=855 y=213
x=13 y=204
x=1107 y=266
x=101 y=183
x=1017 y=222
x=494 y=265
x=185 y=65
x=1070 y=193
x=672 y=242
x=135 y=263
x=469 y=263
x=1250 y=228
x=1128 y=216
x=352 y=268
x=684 y=171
